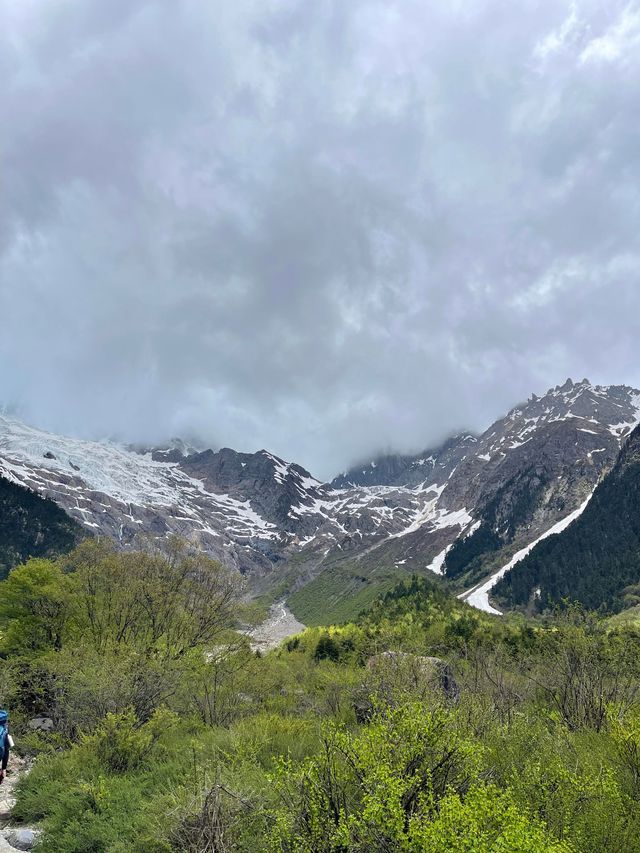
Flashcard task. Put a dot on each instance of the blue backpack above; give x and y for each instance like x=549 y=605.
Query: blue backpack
x=4 y=723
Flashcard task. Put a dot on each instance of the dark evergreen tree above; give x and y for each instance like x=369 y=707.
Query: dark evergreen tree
x=32 y=526
x=464 y=552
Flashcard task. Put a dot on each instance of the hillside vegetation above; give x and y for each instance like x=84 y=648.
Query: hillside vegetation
x=32 y=526
x=171 y=734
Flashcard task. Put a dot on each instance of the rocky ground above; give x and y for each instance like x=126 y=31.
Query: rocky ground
x=280 y=625
x=13 y=837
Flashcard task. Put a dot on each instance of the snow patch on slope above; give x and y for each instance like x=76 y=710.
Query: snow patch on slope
x=437 y=564
x=478 y=596
x=61 y=466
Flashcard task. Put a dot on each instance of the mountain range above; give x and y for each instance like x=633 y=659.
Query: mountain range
x=465 y=510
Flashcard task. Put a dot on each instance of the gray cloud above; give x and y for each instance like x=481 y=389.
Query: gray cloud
x=323 y=228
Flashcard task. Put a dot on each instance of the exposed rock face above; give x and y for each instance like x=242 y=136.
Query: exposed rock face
x=259 y=513
x=21 y=838
x=41 y=724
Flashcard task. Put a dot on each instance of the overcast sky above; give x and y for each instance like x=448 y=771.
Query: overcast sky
x=320 y=227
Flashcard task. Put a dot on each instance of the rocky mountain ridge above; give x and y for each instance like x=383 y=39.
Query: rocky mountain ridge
x=262 y=515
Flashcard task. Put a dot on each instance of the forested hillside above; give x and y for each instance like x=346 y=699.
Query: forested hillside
x=596 y=560
x=32 y=526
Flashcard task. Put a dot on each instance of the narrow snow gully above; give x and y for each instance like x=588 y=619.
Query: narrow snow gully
x=478 y=596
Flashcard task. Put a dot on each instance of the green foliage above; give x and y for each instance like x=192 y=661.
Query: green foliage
x=333 y=647
x=172 y=735
x=465 y=551
x=341 y=592
x=121 y=744
x=572 y=780
x=35 y=601
x=367 y=791
x=163 y=604
x=486 y=820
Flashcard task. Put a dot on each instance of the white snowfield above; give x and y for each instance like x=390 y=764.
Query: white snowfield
x=77 y=471
x=437 y=564
x=478 y=596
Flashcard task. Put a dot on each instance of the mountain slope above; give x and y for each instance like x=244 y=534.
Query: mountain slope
x=493 y=493
x=252 y=511
x=523 y=476
x=597 y=557
x=392 y=469
x=31 y=526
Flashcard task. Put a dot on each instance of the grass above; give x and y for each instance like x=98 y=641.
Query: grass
x=627 y=617
x=341 y=592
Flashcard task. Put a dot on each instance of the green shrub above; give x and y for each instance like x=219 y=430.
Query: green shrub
x=485 y=820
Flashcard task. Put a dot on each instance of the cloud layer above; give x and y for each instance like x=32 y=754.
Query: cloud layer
x=323 y=228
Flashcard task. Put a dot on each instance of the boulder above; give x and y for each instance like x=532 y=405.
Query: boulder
x=41 y=724
x=419 y=670
x=21 y=838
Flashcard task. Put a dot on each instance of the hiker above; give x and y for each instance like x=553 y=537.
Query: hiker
x=5 y=743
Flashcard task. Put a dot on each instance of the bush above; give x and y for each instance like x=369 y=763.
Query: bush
x=363 y=791
x=486 y=820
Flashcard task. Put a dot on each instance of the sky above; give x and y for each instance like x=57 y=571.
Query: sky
x=321 y=227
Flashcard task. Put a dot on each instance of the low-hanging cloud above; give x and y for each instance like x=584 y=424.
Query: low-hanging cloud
x=322 y=228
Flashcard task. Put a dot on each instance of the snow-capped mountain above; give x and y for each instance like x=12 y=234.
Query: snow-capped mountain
x=130 y=495
x=604 y=409
x=261 y=514
x=250 y=510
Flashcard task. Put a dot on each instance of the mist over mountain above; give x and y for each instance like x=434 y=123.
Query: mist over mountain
x=335 y=229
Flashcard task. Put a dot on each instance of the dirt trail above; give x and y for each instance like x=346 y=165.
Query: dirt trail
x=280 y=625
x=17 y=768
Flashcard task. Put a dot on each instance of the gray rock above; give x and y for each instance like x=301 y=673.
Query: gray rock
x=417 y=670
x=41 y=724
x=21 y=838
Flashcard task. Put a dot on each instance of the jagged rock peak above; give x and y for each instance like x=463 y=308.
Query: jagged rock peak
x=579 y=399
